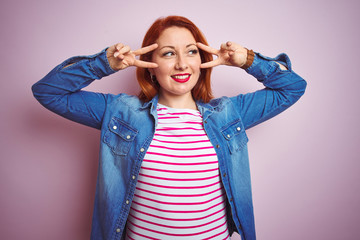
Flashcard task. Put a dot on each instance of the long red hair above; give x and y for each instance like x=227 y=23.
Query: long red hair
x=202 y=90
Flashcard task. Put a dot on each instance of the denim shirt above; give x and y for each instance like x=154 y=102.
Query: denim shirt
x=128 y=125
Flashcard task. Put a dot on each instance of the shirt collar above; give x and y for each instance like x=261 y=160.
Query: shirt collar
x=204 y=108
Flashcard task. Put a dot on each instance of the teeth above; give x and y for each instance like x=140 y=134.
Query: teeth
x=181 y=76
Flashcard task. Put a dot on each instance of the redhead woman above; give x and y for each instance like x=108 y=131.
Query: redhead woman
x=173 y=160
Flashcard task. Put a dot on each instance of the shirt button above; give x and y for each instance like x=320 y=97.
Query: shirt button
x=133 y=177
x=142 y=149
x=238 y=129
x=127 y=202
x=224 y=174
x=217 y=146
x=228 y=135
x=114 y=127
x=128 y=137
x=118 y=230
x=231 y=199
x=205 y=121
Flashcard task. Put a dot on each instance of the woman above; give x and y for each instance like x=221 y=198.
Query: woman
x=173 y=161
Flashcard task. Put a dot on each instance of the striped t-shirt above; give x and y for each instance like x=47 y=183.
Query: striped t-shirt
x=179 y=194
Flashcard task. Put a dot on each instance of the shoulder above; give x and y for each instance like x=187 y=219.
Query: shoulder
x=124 y=100
x=219 y=103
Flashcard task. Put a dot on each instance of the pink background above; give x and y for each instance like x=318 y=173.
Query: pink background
x=304 y=163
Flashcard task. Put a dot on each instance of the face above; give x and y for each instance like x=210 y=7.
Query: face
x=179 y=62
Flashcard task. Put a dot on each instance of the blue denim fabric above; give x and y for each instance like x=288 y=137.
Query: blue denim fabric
x=127 y=128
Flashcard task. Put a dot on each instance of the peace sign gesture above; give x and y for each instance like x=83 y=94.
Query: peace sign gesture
x=120 y=56
x=230 y=54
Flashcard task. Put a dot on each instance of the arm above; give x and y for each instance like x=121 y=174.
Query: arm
x=60 y=90
x=283 y=87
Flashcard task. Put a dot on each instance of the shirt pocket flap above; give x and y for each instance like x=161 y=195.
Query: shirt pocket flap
x=235 y=135
x=122 y=129
x=119 y=136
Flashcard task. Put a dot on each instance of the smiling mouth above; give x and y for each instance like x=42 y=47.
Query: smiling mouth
x=181 y=78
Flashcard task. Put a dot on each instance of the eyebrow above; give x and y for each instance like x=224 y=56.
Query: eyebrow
x=191 y=44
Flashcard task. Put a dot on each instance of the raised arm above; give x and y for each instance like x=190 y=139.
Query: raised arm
x=60 y=90
x=283 y=87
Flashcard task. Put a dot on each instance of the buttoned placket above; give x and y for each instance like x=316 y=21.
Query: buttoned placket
x=134 y=177
x=224 y=175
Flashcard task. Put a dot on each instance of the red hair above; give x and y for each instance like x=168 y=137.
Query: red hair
x=202 y=90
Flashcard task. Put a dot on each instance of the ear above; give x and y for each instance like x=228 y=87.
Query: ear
x=151 y=71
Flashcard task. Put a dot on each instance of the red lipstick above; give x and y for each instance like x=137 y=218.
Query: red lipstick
x=181 y=78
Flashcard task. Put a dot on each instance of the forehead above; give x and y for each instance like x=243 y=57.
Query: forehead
x=173 y=36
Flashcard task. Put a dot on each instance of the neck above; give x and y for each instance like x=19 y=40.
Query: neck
x=178 y=101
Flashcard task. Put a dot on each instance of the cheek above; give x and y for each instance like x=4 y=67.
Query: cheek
x=162 y=66
x=195 y=65
x=162 y=69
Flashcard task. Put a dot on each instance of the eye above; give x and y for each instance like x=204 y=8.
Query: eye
x=193 y=52
x=168 y=54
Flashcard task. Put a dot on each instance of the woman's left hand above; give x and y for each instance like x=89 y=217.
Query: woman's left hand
x=231 y=54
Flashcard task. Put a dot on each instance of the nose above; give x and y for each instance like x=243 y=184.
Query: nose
x=180 y=63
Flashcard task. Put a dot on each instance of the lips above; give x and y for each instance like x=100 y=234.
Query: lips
x=181 y=78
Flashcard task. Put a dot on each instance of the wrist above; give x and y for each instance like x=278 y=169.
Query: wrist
x=249 y=59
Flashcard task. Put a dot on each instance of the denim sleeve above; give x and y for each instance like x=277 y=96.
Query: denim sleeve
x=282 y=89
x=60 y=90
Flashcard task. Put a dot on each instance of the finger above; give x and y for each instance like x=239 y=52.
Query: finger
x=116 y=54
x=227 y=46
x=118 y=46
x=121 y=50
x=146 y=49
x=211 y=64
x=143 y=64
x=124 y=50
x=207 y=48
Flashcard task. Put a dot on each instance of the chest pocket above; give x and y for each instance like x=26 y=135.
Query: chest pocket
x=119 y=136
x=235 y=136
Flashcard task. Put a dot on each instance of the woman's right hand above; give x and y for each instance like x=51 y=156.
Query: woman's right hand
x=120 y=56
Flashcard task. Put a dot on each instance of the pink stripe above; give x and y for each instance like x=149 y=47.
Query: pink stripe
x=179 y=114
x=185 y=149
x=227 y=236
x=178 y=187
x=212 y=237
x=175 y=211
x=174 y=171
x=178 y=227
x=179 y=195
x=129 y=237
x=178 y=203
x=180 y=164
x=184 y=135
x=185 y=113
x=190 y=122
x=178 y=219
x=182 y=123
x=178 y=179
x=179 y=235
x=187 y=142
x=182 y=156
x=141 y=235
x=180 y=129
x=166 y=117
